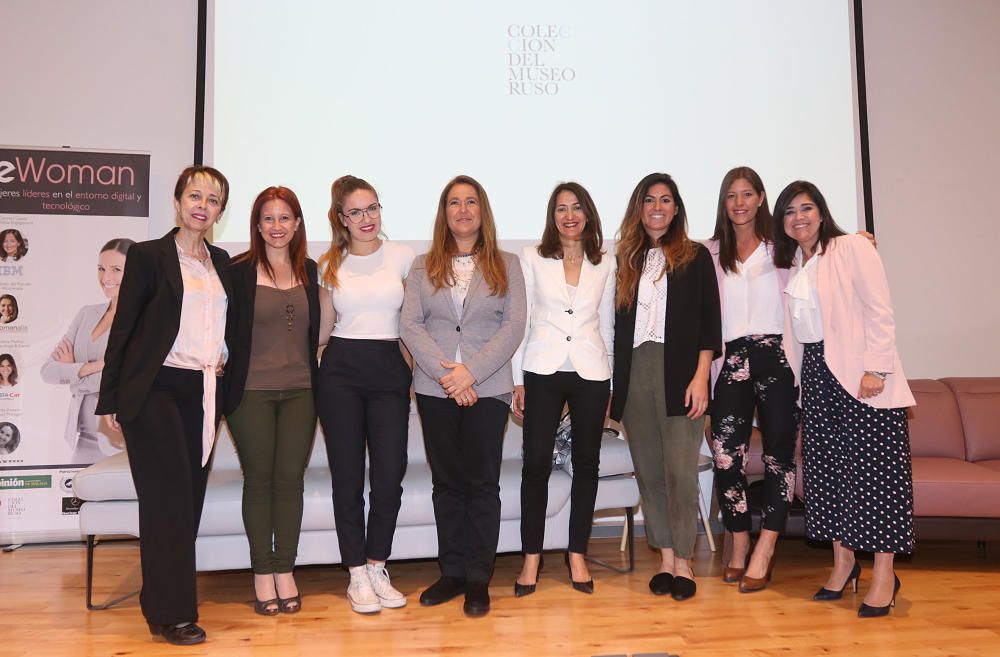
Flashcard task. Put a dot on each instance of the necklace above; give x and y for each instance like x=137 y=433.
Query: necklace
x=286 y=295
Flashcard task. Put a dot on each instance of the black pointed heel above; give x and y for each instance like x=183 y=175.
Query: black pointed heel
x=867 y=611
x=583 y=587
x=825 y=594
x=521 y=590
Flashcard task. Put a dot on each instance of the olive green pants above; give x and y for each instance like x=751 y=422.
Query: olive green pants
x=273 y=431
x=665 y=455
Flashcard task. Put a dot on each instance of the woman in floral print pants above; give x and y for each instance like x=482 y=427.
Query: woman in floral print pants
x=753 y=375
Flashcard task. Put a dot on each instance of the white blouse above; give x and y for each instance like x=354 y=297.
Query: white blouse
x=803 y=300
x=651 y=299
x=464 y=267
x=200 y=343
x=752 y=298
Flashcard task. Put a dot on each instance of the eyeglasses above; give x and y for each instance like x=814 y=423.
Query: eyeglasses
x=373 y=211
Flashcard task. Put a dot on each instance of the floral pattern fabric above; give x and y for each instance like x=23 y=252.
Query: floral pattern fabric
x=755 y=380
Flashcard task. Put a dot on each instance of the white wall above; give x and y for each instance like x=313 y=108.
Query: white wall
x=103 y=74
x=120 y=74
x=933 y=68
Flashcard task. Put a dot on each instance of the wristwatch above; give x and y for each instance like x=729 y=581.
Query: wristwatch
x=881 y=375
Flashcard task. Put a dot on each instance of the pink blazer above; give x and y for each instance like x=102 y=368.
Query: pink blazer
x=713 y=249
x=859 y=332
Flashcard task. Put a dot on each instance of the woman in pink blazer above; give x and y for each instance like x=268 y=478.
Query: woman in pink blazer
x=565 y=357
x=855 y=440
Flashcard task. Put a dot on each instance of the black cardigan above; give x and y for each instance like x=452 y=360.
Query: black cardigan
x=693 y=324
x=239 y=327
x=146 y=322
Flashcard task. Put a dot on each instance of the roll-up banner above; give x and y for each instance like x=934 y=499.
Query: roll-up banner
x=67 y=216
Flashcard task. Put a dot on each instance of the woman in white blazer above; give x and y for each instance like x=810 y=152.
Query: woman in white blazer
x=566 y=357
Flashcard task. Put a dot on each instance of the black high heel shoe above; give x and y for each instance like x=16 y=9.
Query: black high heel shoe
x=867 y=611
x=582 y=587
x=825 y=594
x=521 y=590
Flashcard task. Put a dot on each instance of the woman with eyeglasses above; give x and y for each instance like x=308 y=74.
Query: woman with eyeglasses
x=363 y=392
x=463 y=318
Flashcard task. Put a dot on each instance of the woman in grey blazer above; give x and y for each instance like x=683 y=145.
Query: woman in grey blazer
x=463 y=317
x=78 y=359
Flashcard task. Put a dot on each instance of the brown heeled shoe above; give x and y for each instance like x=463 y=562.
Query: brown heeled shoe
x=753 y=584
x=733 y=575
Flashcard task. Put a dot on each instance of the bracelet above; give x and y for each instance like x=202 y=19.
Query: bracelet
x=880 y=375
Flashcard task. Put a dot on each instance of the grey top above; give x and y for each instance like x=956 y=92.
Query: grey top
x=279 y=357
x=488 y=331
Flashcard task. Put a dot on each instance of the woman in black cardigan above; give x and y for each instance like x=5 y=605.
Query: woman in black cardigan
x=668 y=329
x=273 y=336
x=165 y=351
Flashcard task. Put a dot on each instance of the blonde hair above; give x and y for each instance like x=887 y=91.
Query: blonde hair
x=330 y=261
x=444 y=247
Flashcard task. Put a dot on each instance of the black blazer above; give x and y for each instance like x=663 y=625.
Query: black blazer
x=239 y=328
x=693 y=324
x=146 y=322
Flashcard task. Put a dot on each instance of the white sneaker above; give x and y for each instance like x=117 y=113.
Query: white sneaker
x=360 y=593
x=387 y=594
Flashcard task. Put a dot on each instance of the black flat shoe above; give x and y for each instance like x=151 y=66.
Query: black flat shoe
x=186 y=635
x=583 y=587
x=477 y=599
x=682 y=588
x=660 y=584
x=867 y=611
x=442 y=591
x=521 y=590
x=825 y=594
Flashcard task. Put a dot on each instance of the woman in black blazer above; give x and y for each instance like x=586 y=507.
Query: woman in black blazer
x=166 y=349
x=668 y=329
x=273 y=335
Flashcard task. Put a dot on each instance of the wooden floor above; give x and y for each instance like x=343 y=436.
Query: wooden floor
x=949 y=604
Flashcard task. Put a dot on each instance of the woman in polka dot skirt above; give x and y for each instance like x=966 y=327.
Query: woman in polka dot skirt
x=855 y=439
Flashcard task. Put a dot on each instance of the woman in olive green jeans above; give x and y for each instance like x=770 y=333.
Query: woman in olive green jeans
x=273 y=336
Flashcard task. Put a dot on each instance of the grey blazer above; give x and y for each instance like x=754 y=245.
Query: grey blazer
x=489 y=330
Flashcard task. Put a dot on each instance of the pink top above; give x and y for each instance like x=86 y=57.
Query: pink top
x=200 y=342
x=859 y=332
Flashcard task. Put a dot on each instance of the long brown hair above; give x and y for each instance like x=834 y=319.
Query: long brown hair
x=633 y=240
x=785 y=246
x=592 y=237
x=487 y=251
x=257 y=254
x=724 y=232
x=341 y=240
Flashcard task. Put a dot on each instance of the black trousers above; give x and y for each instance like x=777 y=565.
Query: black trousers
x=545 y=396
x=363 y=400
x=464 y=448
x=754 y=376
x=164 y=451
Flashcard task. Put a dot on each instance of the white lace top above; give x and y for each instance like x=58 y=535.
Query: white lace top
x=651 y=300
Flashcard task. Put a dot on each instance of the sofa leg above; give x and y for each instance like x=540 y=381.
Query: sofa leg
x=630 y=536
x=91 y=543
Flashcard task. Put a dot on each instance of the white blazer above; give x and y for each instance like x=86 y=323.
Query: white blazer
x=581 y=332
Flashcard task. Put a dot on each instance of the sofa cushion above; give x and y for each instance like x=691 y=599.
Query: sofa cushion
x=935 y=423
x=979 y=404
x=950 y=487
x=616 y=459
x=108 y=479
x=992 y=464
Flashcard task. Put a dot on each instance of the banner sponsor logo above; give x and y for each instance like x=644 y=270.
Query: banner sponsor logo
x=37 y=181
x=21 y=482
